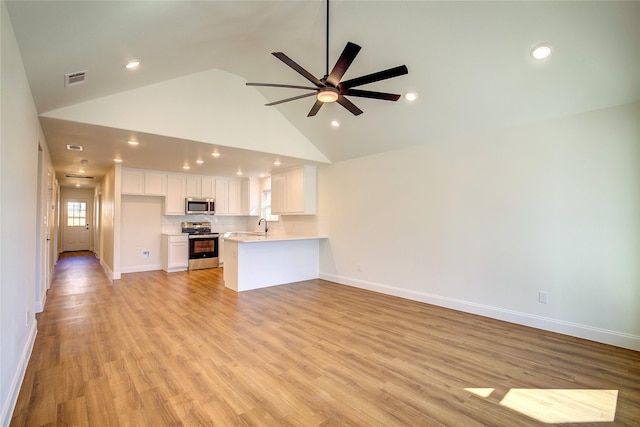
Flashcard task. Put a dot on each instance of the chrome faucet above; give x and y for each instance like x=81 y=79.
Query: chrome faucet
x=266 y=224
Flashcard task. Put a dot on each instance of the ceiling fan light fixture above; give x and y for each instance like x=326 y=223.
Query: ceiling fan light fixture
x=328 y=95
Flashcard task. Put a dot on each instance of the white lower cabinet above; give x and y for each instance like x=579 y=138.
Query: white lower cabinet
x=175 y=252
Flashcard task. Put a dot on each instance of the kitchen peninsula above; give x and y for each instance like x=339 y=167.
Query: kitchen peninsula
x=255 y=261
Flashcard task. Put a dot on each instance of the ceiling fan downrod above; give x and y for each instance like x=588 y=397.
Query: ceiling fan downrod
x=326 y=74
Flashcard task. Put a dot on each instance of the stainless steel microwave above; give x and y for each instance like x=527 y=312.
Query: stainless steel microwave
x=193 y=206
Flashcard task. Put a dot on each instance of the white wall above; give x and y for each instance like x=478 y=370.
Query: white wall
x=141 y=230
x=110 y=223
x=483 y=223
x=19 y=136
x=45 y=225
x=235 y=116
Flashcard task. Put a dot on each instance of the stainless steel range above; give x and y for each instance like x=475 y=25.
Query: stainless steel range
x=203 y=245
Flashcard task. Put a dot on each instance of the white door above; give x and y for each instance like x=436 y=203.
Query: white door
x=76 y=225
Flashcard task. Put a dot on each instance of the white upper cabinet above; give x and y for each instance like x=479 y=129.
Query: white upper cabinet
x=194 y=186
x=294 y=191
x=155 y=183
x=250 y=196
x=142 y=182
x=278 y=193
x=209 y=187
x=201 y=186
x=176 y=188
x=222 y=188
x=233 y=197
x=132 y=181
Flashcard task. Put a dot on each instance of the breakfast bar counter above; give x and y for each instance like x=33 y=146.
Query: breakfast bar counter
x=255 y=261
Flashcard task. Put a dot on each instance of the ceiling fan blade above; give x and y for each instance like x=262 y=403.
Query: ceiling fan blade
x=371 y=94
x=349 y=105
x=374 y=77
x=342 y=64
x=304 y=73
x=279 y=85
x=315 y=108
x=291 y=99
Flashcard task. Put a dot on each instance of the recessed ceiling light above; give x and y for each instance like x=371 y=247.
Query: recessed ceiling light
x=541 y=51
x=239 y=172
x=84 y=162
x=411 y=96
x=335 y=123
x=277 y=163
x=133 y=142
x=81 y=171
x=132 y=65
x=78 y=185
x=186 y=167
x=215 y=154
x=117 y=160
x=199 y=161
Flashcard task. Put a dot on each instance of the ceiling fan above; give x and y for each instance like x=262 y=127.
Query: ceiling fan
x=329 y=88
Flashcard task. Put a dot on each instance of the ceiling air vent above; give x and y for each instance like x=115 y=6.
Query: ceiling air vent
x=76 y=78
x=70 y=175
x=74 y=147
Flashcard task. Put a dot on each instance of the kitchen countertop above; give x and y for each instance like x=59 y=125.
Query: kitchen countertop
x=256 y=237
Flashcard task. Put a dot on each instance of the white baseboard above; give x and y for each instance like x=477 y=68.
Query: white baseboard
x=110 y=274
x=140 y=268
x=39 y=308
x=12 y=397
x=605 y=336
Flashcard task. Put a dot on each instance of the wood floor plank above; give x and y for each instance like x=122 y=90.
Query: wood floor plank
x=160 y=349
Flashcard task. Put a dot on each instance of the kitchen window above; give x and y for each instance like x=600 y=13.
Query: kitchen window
x=266 y=206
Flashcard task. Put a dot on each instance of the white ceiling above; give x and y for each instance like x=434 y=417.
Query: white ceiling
x=468 y=61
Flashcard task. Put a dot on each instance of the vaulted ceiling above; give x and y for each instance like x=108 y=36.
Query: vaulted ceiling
x=469 y=63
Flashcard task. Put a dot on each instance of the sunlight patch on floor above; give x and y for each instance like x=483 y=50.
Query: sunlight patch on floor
x=563 y=406
x=482 y=392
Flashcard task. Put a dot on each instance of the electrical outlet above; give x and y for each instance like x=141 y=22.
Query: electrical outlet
x=28 y=316
x=543 y=297
x=145 y=254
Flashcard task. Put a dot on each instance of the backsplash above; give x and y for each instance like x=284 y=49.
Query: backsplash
x=290 y=224
x=219 y=224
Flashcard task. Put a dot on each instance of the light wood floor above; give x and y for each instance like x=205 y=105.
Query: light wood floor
x=177 y=349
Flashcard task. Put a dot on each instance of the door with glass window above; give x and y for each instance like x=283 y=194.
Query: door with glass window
x=76 y=225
